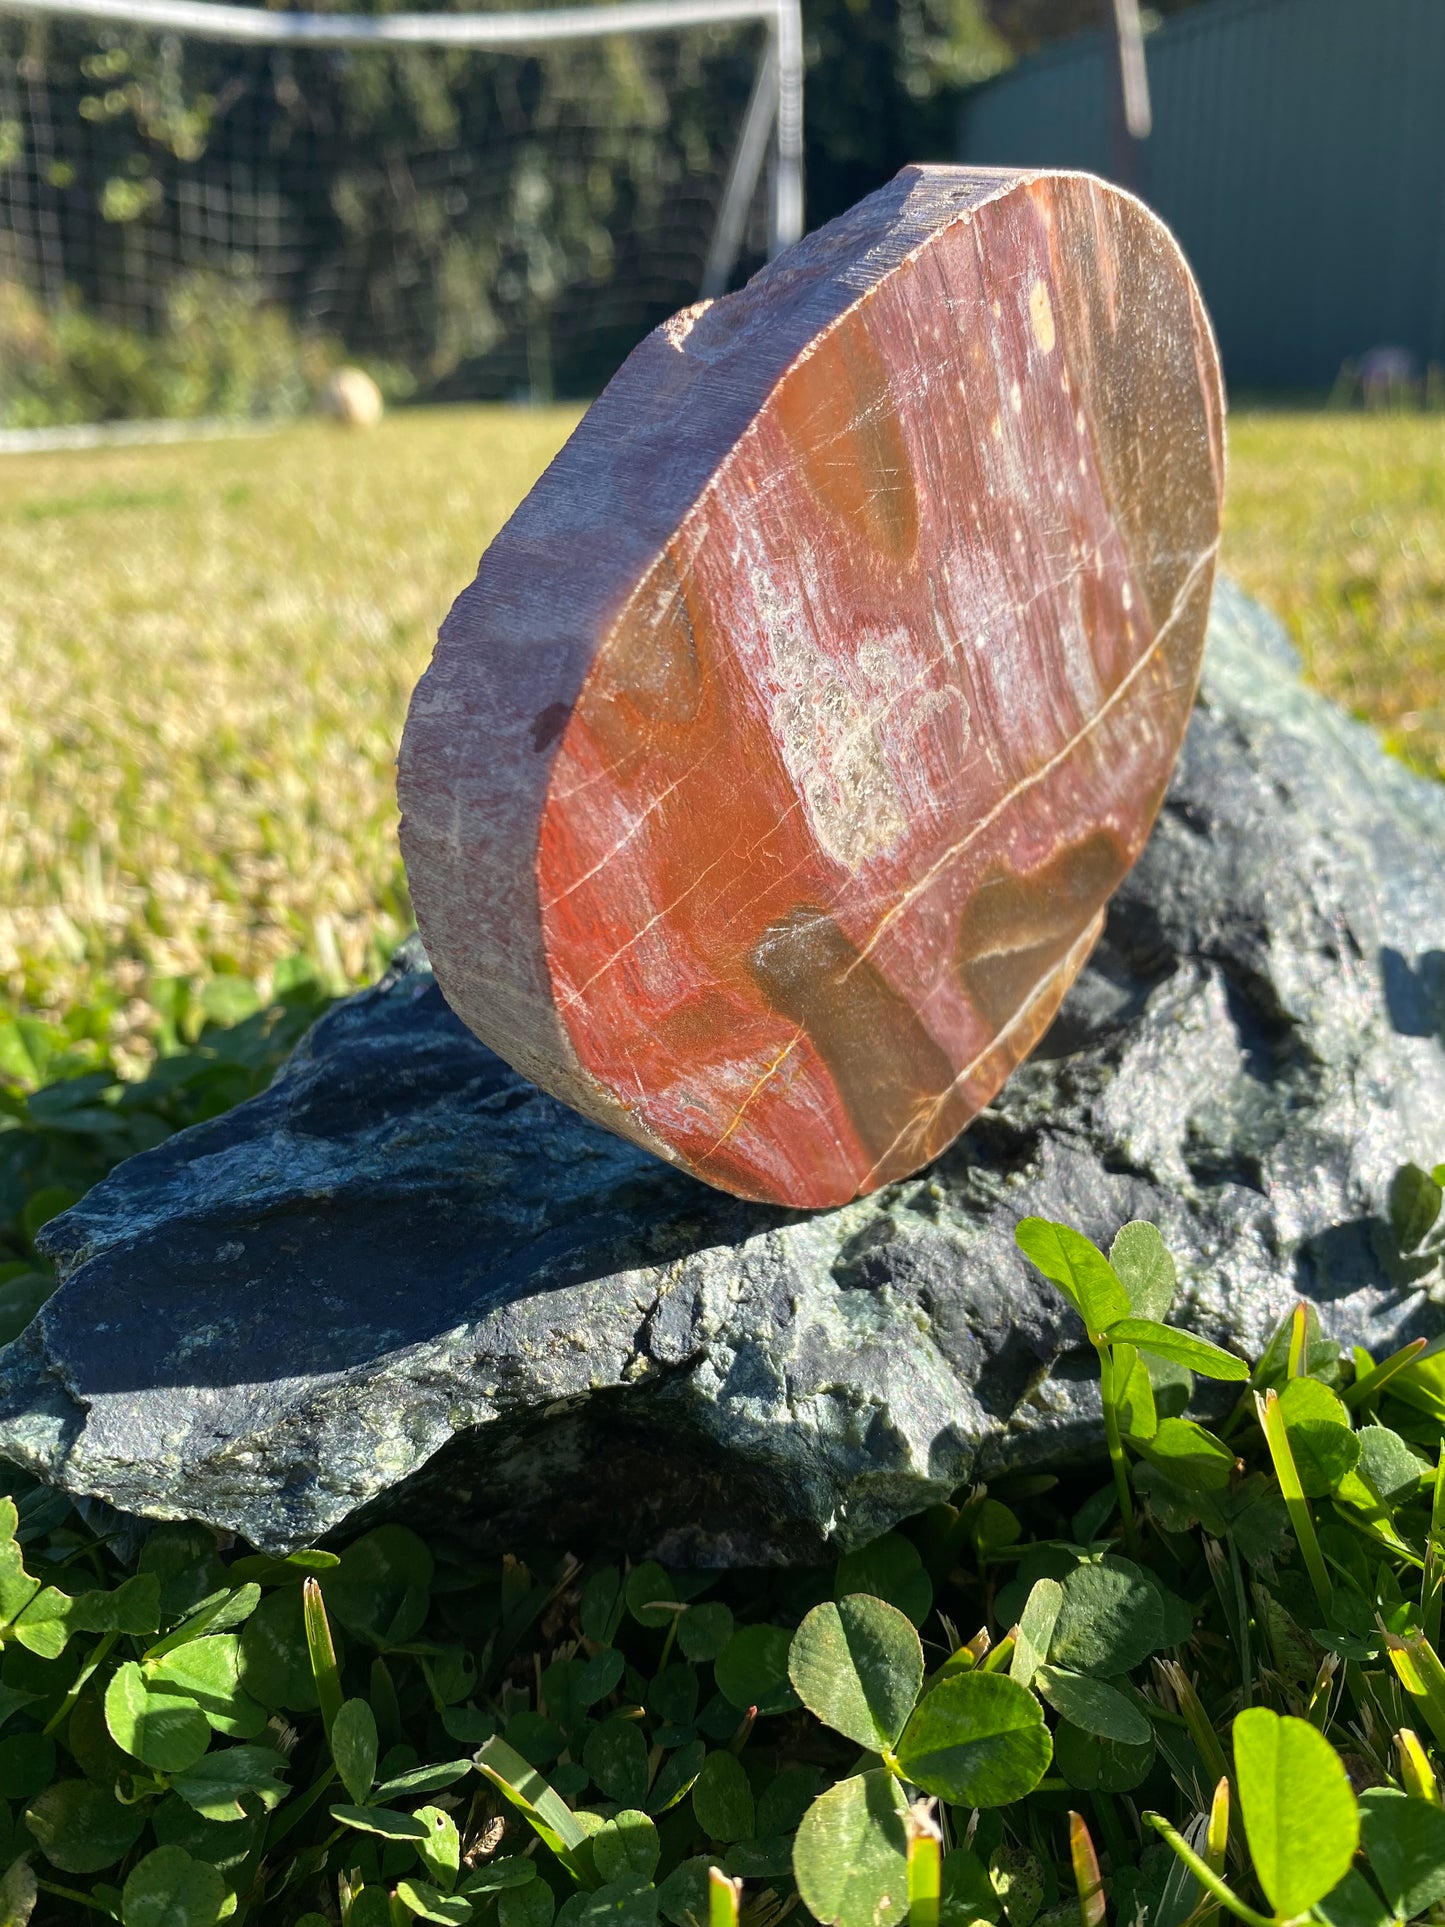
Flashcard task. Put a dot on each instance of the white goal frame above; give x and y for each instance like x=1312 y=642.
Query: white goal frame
x=774 y=116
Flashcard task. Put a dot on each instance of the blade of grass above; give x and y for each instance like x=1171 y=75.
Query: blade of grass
x=1418 y=1668
x=1216 y=1844
x=1200 y=1727
x=996 y=1659
x=1228 y=1581
x=963 y=1659
x=322 y=1653
x=533 y=1603
x=1209 y=1880
x=1416 y=1775
x=1241 y=1606
x=1088 y=1881
x=1376 y=1528
x=1375 y=1381
x=743 y=1731
x=1207 y=1744
x=724 y=1899
x=1299 y=1332
x=99 y=1654
x=204 y=1615
x=925 y=1864
x=1116 y=1844
x=1433 y=1578
x=1271 y=1421
x=549 y=1815
x=1108 y=1392
x=295 y=1811
x=1317 y=1712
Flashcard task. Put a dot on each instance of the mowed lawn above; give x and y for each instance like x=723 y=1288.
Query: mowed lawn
x=206 y=652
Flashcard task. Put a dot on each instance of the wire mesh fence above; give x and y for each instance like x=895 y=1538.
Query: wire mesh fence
x=191 y=226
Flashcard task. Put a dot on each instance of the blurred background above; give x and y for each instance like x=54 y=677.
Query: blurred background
x=192 y=226
x=196 y=225
x=1295 y=148
x=215 y=599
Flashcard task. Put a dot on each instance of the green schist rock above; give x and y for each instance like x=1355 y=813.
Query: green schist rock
x=404 y=1280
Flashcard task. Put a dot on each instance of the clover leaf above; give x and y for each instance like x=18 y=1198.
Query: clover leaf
x=170 y=1889
x=354 y=1747
x=1415 y=1198
x=1300 y=1814
x=1405 y=1841
x=1110 y=1619
x=850 y=1857
x=1093 y=1705
x=627 y=1847
x=83 y=1828
x=976 y=1740
x=1321 y=1440
x=752 y=1670
x=1080 y=1270
x=1035 y=1630
x=722 y=1799
x=858 y=1665
x=166 y=1730
x=1144 y=1267
x=1178 y=1347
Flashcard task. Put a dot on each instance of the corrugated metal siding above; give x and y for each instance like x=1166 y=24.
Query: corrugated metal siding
x=1298 y=152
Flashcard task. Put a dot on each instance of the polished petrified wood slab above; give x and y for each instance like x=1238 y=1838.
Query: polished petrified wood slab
x=767 y=786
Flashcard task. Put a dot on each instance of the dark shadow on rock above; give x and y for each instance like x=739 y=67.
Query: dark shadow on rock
x=1362 y=1254
x=533 y=1482
x=350 y=1255
x=1415 y=993
x=1129 y=962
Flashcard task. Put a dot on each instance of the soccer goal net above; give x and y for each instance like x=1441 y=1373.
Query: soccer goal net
x=204 y=207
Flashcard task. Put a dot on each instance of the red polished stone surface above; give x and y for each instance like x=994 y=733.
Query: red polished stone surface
x=767 y=787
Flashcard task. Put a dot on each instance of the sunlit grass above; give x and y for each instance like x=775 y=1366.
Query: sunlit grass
x=205 y=658
x=206 y=653
x=1337 y=522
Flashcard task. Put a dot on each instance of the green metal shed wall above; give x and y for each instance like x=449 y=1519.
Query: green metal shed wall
x=1298 y=153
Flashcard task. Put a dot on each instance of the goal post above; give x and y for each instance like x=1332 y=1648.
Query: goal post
x=466 y=247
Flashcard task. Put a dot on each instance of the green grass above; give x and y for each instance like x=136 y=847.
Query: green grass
x=1337 y=523
x=205 y=658
x=206 y=653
